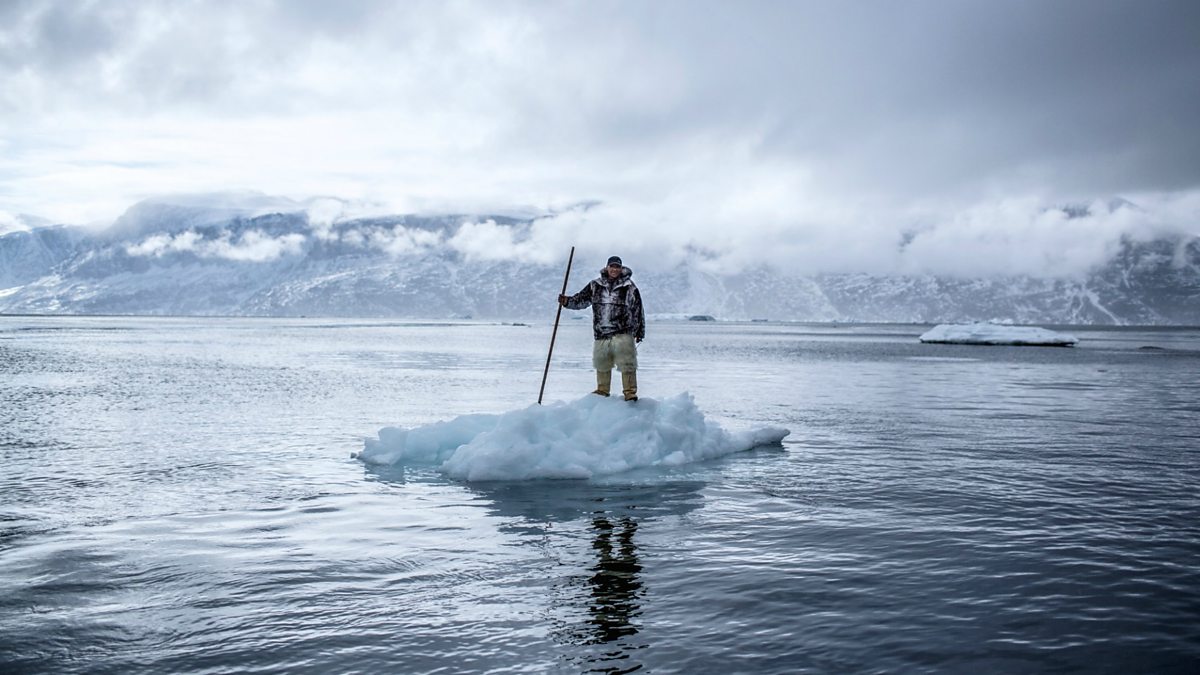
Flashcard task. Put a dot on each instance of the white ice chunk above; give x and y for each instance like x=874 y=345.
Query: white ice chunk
x=591 y=436
x=993 y=334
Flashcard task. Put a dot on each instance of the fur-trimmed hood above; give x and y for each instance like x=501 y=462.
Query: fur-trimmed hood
x=626 y=273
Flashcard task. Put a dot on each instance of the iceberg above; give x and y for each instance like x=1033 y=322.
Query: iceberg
x=993 y=334
x=591 y=436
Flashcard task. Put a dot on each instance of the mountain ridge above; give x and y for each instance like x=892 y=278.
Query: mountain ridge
x=184 y=260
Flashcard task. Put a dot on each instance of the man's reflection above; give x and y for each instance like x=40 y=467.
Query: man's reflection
x=614 y=584
x=597 y=600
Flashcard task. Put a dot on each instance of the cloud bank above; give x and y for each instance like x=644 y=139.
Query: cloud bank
x=1010 y=237
x=918 y=136
x=250 y=246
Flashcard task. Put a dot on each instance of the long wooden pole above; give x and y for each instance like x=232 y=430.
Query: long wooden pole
x=557 y=316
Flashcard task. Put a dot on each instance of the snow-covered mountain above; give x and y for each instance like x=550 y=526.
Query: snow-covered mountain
x=250 y=259
x=28 y=255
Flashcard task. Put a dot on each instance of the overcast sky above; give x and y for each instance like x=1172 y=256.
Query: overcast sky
x=887 y=136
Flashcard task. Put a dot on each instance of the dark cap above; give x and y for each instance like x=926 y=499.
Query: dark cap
x=615 y=260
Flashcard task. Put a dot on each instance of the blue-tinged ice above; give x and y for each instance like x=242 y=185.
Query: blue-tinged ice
x=993 y=334
x=592 y=436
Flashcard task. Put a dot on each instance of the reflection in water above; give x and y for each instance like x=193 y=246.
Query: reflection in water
x=615 y=585
x=593 y=529
x=547 y=502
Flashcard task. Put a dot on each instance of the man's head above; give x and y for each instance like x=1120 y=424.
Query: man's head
x=614 y=267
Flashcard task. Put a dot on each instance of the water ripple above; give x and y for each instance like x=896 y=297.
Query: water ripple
x=177 y=498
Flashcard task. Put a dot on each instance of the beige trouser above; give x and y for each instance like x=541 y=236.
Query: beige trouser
x=618 y=350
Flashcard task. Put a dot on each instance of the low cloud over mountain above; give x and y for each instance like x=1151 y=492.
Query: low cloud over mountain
x=247 y=254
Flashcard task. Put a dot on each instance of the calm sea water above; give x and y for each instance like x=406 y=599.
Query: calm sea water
x=177 y=495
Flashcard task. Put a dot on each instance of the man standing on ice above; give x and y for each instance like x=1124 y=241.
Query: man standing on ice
x=618 y=323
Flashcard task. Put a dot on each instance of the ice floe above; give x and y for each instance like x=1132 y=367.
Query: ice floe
x=591 y=436
x=994 y=334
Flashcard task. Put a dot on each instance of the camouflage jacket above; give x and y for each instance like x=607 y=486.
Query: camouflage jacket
x=616 y=305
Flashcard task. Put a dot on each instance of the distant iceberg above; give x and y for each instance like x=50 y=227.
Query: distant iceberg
x=591 y=436
x=993 y=334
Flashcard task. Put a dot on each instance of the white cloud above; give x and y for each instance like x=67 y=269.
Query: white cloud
x=10 y=223
x=489 y=241
x=254 y=246
x=809 y=136
x=159 y=245
x=251 y=246
x=400 y=240
x=731 y=230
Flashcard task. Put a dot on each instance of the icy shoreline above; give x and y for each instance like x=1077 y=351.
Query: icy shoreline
x=591 y=436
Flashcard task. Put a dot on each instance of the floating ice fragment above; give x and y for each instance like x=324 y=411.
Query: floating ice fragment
x=591 y=436
x=992 y=334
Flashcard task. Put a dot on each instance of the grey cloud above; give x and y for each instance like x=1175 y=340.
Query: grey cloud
x=62 y=40
x=818 y=132
x=132 y=56
x=988 y=84
x=346 y=19
x=928 y=95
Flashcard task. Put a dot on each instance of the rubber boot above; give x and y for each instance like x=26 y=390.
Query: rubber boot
x=629 y=384
x=603 y=382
